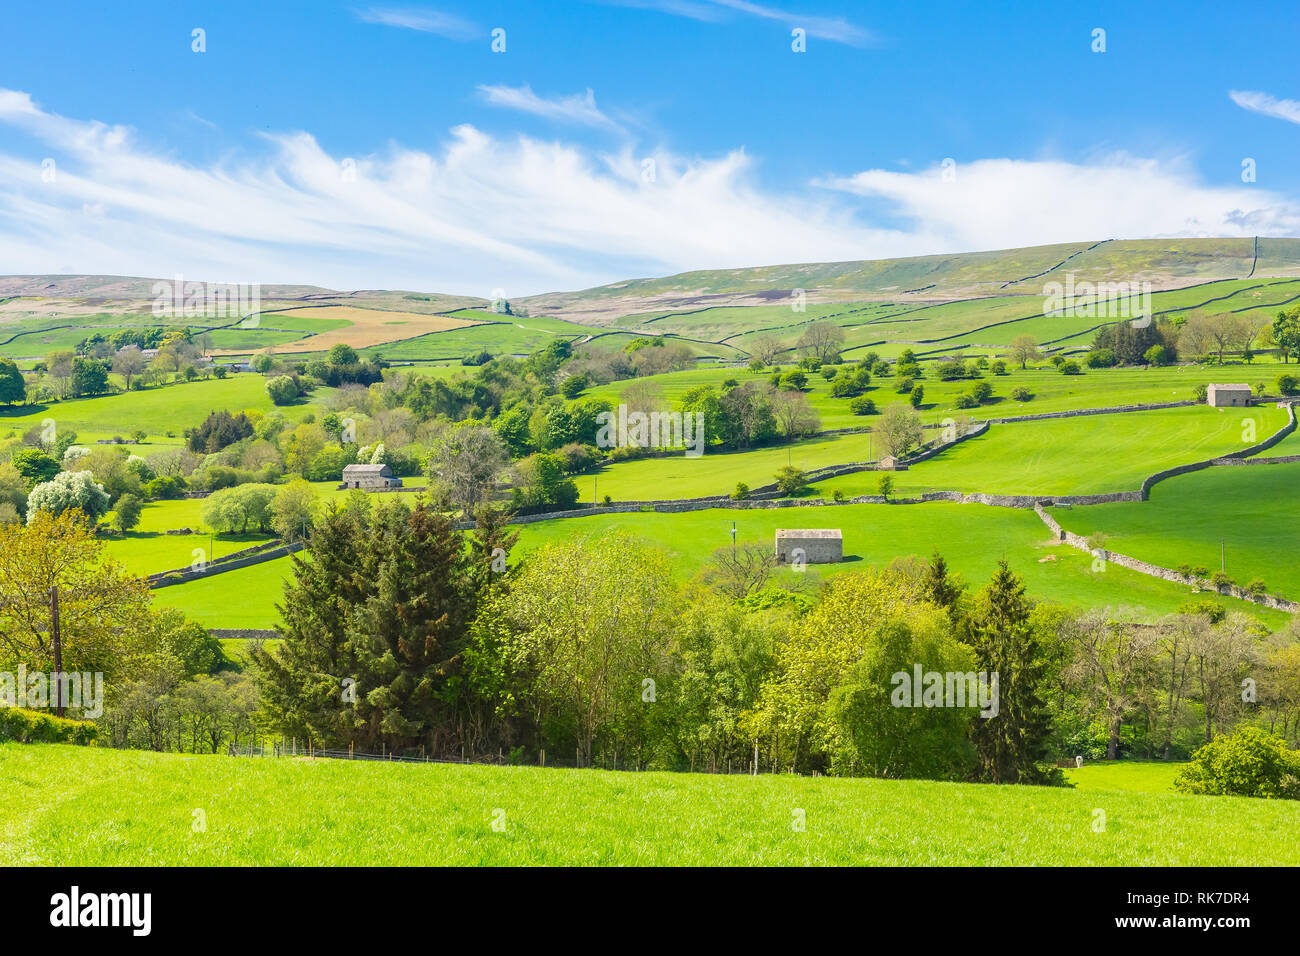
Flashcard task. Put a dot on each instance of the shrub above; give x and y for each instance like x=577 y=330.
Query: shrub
x=1256 y=587
x=1021 y=394
x=1201 y=392
x=849 y=383
x=796 y=380
x=574 y=385
x=1101 y=358
x=32 y=726
x=999 y=367
x=981 y=391
x=885 y=487
x=791 y=480
x=126 y=514
x=1057 y=360
x=741 y=492
x=862 y=405
x=950 y=370
x=165 y=486
x=282 y=389
x=965 y=401
x=904 y=386
x=1157 y=355
x=1070 y=367
x=1221 y=581
x=219 y=430
x=1212 y=611
x=1288 y=384
x=1249 y=762
x=837 y=495
x=917 y=396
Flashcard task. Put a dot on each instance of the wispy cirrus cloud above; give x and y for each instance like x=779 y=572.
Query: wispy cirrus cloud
x=1257 y=102
x=835 y=29
x=422 y=19
x=579 y=108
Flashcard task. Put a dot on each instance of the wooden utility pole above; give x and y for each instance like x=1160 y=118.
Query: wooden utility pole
x=56 y=639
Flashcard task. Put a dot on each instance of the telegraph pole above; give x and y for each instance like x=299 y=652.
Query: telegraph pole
x=56 y=640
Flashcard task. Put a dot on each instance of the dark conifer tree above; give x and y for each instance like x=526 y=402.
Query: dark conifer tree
x=1013 y=744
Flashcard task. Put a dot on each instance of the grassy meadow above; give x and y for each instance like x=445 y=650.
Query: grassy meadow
x=1076 y=456
x=62 y=805
x=971 y=537
x=1248 y=515
x=163 y=413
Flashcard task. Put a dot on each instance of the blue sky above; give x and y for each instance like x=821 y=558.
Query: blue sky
x=358 y=145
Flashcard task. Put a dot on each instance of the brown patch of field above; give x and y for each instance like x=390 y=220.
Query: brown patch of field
x=368 y=327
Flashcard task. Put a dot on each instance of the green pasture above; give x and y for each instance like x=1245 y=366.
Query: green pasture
x=1076 y=456
x=242 y=598
x=149 y=552
x=1124 y=776
x=973 y=538
x=157 y=411
x=1049 y=390
x=1245 y=516
x=62 y=805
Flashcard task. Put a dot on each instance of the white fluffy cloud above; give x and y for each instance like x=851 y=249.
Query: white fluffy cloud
x=528 y=215
x=1005 y=203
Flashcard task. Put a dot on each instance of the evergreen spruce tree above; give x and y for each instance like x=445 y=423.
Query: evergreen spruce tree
x=1012 y=745
x=375 y=619
x=302 y=682
x=938 y=585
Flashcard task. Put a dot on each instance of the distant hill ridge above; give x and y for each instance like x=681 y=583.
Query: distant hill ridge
x=1165 y=263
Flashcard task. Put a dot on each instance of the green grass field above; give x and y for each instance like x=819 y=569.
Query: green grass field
x=1248 y=514
x=1054 y=456
x=62 y=805
x=1078 y=456
x=169 y=408
x=1050 y=390
x=1126 y=776
x=971 y=537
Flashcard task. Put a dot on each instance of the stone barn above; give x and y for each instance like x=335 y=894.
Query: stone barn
x=818 y=545
x=370 y=478
x=1227 y=396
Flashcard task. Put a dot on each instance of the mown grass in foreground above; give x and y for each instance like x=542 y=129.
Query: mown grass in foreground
x=62 y=805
